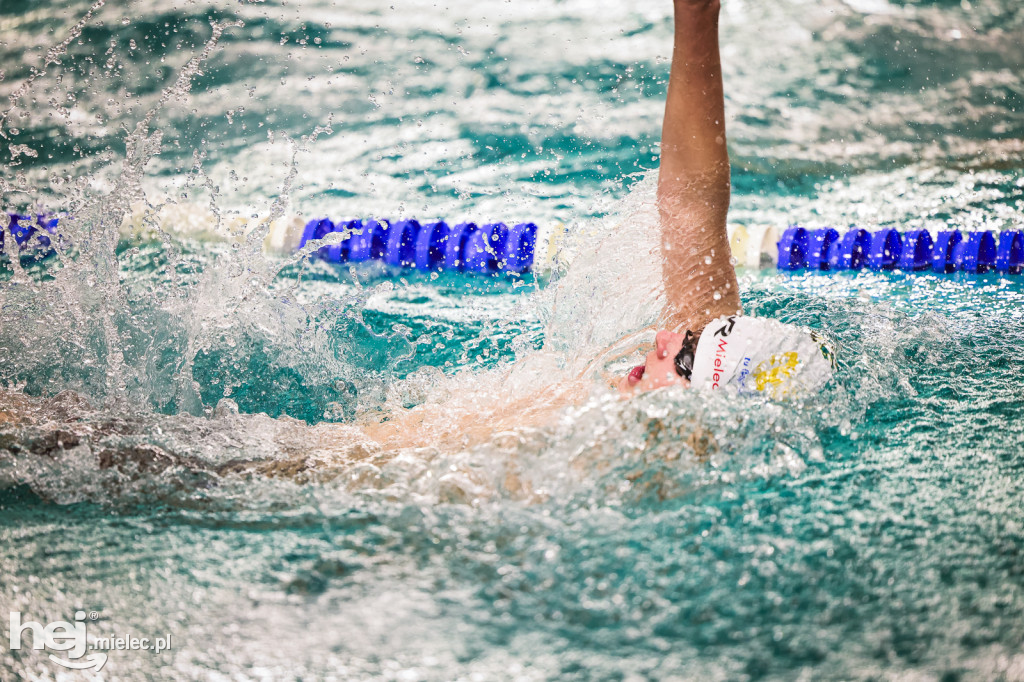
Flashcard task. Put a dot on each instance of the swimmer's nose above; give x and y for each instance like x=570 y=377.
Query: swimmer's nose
x=661 y=342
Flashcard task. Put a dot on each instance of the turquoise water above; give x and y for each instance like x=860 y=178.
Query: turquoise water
x=157 y=475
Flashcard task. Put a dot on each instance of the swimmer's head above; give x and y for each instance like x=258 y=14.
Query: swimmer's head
x=670 y=362
x=748 y=355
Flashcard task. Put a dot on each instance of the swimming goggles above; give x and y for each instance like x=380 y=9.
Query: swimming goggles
x=684 y=358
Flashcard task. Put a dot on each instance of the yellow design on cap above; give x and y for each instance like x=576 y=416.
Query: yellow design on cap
x=775 y=371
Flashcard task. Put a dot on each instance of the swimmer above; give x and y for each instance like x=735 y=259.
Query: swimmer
x=693 y=201
x=697 y=271
x=704 y=340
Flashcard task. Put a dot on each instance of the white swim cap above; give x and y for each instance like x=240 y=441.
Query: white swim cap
x=757 y=355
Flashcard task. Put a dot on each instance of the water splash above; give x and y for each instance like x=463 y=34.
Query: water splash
x=870 y=529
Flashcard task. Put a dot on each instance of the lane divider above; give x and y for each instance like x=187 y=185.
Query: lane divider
x=468 y=247
x=492 y=248
x=30 y=232
x=913 y=250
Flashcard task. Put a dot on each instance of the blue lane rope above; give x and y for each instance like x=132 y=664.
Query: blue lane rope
x=889 y=249
x=916 y=250
x=26 y=228
x=485 y=249
x=495 y=248
x=819 y=243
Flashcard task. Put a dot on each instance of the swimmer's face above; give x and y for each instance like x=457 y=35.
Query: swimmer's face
x=659 y=368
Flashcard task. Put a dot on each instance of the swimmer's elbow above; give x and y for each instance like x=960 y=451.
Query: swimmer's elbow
x=682 y=190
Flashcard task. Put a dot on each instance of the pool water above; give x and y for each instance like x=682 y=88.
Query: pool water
x=158 y=475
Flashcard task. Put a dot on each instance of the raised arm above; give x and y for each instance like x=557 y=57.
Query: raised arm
x=693 y=179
